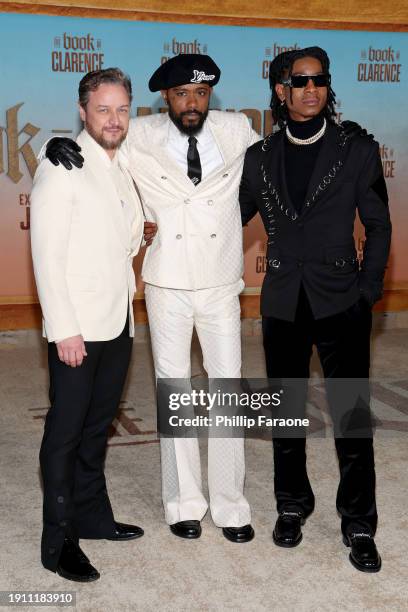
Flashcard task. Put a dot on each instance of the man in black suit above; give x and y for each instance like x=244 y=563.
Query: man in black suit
x=306 y=181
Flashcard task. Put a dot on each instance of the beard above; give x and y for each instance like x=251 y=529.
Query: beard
x=108 y=145
x=189 y=129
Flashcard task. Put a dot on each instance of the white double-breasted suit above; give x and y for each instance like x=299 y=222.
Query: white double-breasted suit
x=193 y=275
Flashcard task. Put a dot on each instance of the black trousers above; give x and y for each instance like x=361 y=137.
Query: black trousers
x=343 y=345
x=84 y=401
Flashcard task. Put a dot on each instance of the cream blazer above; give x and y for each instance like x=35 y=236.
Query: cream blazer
x=82 y=247
x=199 y=239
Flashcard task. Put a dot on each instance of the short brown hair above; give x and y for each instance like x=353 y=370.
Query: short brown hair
x=92 y=80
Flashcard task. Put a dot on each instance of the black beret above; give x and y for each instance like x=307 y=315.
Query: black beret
x=183 y=69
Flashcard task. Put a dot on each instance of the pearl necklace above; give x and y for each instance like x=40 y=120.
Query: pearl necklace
x=306 y=141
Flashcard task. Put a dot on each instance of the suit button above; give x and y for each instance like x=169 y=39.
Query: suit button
x=300 y=224
x=63 y=523
x=52 y=551
x=213 y=235
x=178 y=236
x=210 y=202
x=60 y=499
x=187 y=201
x=300 y=263
x=163 y=177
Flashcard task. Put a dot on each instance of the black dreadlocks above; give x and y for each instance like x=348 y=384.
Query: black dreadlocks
x=281 y=68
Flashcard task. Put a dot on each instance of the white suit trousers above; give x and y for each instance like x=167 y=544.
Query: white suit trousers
x=215 y=313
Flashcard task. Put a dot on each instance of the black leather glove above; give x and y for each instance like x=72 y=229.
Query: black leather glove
x=351 y=129
x=64 y=151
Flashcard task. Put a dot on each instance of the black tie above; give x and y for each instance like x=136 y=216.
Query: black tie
x=193 y=161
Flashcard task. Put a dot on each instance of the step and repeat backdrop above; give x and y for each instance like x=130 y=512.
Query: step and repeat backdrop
x=43 y=59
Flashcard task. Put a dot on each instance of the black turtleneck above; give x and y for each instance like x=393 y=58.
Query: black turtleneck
x=300 y=159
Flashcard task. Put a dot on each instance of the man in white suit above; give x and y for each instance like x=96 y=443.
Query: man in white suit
x=187 y=165
x=82 y=253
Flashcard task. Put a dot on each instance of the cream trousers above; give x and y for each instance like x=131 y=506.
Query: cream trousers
x=215 y=313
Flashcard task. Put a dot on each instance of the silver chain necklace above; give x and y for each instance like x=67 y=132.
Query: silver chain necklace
x=306 y=141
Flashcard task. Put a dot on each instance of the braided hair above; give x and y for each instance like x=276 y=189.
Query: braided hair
x=281 y=68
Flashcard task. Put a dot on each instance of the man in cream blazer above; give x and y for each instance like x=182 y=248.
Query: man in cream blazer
x=187 y=166
x=82 y=253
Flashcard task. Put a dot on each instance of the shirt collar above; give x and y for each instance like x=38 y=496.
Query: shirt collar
x=175 y=135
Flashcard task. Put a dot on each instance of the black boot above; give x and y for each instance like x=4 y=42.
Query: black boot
x=73 y=564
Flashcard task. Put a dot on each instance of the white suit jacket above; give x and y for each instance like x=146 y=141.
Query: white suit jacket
x=83 y=246
x=199 y=239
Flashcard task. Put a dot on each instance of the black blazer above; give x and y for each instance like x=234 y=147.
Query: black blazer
x=316 y=247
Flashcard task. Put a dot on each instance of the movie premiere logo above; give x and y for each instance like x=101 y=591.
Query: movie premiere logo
x=270 y=54
x=379 y=65
x=389 y=161
x=15 y=145
x=260 y=260
x=178 y=47
x=77 y=53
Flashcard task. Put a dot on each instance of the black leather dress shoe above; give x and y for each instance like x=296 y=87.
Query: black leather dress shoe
x=186 y=529
x=74 y=565
x=287 y=532
x=126 y=532
x=239 y=534
x=363 y=554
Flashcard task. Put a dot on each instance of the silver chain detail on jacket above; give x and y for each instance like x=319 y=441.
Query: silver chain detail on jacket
x=271 y=190
x=325 y=182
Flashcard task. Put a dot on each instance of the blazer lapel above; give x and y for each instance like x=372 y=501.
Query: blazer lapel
x=109 y=196
x=274 y=174
x=291 y=210
x=328 y=164
x=156 y=147
x=176 y=175
x=165 y=160
x=221 y=137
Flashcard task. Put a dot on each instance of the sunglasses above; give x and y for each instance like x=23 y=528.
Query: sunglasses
x=301 y=80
